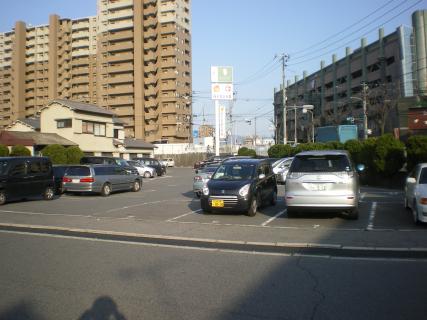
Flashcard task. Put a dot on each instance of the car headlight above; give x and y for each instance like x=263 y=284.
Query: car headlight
x=244 y=190
x=205 y=190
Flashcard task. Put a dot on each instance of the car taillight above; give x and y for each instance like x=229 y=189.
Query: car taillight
x=423 y=200
x=198 y=178
x=90 y=179
x=65 y=179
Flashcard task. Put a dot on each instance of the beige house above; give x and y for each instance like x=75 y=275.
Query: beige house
x=97 y=131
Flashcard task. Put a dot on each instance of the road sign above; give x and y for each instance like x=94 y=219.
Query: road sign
x=222 y=91
x=221 y=74
x=195 y=133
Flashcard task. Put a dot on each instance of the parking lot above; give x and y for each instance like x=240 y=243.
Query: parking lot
x=169 y=199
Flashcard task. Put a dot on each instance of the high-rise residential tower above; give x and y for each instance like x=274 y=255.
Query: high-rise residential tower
x=133 y=58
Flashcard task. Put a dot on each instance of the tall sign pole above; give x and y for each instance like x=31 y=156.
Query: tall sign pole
x=285 y=131
x=221 y=89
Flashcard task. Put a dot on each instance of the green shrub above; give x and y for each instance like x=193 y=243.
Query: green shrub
x=246 y=152
x=334 y=145
x=73 y=154
x=56 y=153
x=4 y=151
x=280 y=151
x=20 y=151
x=416 y=149
x=354 y=147
x=389 y=155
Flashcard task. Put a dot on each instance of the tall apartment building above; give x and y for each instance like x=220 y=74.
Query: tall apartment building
x=133 y=58
x=391 y=68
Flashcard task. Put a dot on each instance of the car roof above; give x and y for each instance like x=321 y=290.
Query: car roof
x=244 y=161
x=323 y=153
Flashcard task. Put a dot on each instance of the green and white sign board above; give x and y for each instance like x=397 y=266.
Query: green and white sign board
x=221 y=74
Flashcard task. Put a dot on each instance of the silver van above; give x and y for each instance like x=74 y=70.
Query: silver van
x=324 y=179
x=100 y=178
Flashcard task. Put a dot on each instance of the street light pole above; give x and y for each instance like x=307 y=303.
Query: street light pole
x=365 y=112
x=285 y=132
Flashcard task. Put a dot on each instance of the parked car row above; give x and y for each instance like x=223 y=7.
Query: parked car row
x=24 y=177
x=314 y=180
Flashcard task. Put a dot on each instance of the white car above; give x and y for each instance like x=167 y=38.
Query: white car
x=281 y=168
x=143 y=170
x=416 y=193
x=169 y=162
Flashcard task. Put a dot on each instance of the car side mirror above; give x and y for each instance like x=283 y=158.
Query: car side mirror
x=411 y=180
x=360 y=167
x=261 y=176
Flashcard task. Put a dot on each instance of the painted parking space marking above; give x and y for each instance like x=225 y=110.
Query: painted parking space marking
x=183 y=215
x=372 y=216
x=274 y=217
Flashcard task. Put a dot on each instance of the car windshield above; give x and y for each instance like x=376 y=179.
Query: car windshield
x=134 y=163
x=321 y=163
x=78 y=171
x=121 y=162
x=3 y=167
x=423 y=176
x=234 y=172
x=209 y=169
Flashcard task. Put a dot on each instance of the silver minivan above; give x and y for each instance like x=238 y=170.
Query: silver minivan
x=324 y=179
x=100 y=178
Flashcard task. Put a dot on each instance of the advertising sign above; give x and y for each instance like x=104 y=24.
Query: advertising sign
x=222 y=91
x=221 y=74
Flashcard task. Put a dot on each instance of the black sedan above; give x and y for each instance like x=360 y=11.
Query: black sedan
x=240 y=185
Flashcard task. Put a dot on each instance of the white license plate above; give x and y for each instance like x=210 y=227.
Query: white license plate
x=76 y=180
x=316 y=186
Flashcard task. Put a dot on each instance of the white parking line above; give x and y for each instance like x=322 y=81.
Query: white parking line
x=137 y=205
x=273 y=218
x=183 y=215
x=372 y=216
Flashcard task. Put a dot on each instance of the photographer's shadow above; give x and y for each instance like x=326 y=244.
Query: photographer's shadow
x=103 y=308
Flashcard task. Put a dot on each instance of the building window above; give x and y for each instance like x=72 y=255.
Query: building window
x=64 y=123
x=116 y=133
x=97 y=129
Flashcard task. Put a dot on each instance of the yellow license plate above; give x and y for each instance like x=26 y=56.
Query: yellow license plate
x=218 y=203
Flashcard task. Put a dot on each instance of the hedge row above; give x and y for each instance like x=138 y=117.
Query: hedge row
x=57 y=153
x=382 y=156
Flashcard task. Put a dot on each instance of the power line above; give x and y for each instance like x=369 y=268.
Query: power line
x=364 y=34
x=254 y=75
x=345 y=29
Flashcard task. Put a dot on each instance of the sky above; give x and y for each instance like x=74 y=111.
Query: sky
x=247 y=35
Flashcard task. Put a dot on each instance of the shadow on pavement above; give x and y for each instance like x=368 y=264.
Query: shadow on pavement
x=21 y=311
x=103 y=308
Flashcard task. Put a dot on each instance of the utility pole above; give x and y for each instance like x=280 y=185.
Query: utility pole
x=284 y=59
x=365 y=111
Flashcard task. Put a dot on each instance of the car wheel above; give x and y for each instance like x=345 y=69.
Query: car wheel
x=147 y=174
x=2 y=197
x=353 y=214
x=136 y=186
x=254 y=206
x=273 y=200
x=49 y=193
x=106 y=190
x=415 y=213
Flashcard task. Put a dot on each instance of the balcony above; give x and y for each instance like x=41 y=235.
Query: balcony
x=171 y=74
x=120 y=90
x=79 y=71
x=79 y=89
x=119 y=35
x=151 y=127
x=169 y=109
x=150 y=45
x=168 y=41
x=151 y=115
x=125 y=78
x=150 y=11
x=151 y=92
x=120 y=57
x=170 y=52
x=151 y=80
x=168 y=29
x=79 y=62
x=119 y=68
x=151 y=21
x=151 y=104
x=151 y=68
x=120 y=101
x=120 y=46
x=150 y=57
x=119 y=4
